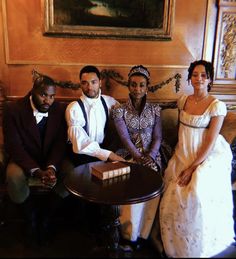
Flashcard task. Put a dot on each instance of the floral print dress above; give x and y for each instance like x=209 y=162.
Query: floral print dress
x=140 y=132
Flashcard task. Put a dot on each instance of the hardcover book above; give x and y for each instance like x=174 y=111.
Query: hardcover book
x=115 y=180
x=109 y=170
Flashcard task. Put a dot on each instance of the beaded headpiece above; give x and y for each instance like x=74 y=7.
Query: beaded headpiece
x=139 y=70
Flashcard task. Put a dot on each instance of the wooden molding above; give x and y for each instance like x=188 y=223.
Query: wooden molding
x=107 y=75
x=225 y=49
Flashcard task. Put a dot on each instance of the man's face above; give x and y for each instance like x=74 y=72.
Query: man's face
x=90 y=84
x=43 y=97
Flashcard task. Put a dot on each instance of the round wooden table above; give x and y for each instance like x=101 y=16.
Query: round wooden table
x=141 y=184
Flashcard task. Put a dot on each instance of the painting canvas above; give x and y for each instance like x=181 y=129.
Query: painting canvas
x=143 y=19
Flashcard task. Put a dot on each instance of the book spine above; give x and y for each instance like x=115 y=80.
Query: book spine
x=100 y=175
x=118 y=172
x=111 y=173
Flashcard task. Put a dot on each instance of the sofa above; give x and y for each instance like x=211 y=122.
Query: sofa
x=169 y=115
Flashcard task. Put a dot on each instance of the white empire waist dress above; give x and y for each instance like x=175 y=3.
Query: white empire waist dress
x=196 y=220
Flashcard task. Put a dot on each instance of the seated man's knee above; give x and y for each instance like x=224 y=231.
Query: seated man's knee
x=17 y=184
x=14 y=173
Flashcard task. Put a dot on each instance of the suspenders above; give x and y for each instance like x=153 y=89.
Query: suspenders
x=85 y=115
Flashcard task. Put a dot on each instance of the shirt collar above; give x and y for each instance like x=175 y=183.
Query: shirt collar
x=91 y=101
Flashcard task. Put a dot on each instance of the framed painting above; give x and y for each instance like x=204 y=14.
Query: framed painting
x=113 y=19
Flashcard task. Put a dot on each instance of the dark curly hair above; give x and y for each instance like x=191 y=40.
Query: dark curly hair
x=208 y=67
x=42 y=81
x=90 y=69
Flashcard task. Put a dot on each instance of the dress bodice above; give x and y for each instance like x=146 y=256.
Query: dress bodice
x=140 y=127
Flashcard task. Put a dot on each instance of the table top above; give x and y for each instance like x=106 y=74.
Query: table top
x=141 y=184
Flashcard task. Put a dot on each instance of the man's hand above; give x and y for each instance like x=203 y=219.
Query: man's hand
x=114 y=157
x=48 y=176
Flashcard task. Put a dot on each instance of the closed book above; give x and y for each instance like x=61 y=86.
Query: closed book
x=107 y=170
x=115 y=180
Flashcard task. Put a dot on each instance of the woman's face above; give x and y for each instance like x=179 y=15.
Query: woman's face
x=138 y=86
x=199 y=78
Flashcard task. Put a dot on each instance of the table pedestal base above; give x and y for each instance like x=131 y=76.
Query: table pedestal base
x=110 y=236
x=111 y=225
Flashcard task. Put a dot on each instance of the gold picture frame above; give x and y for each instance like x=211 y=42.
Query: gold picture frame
x=146 y=20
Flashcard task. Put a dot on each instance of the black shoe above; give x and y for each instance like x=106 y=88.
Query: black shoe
x=141 y=243
x=134 y=245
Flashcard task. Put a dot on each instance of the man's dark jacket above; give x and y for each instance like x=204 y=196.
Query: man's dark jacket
x=22 y=137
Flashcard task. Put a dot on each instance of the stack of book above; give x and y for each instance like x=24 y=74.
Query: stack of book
x=107 y=170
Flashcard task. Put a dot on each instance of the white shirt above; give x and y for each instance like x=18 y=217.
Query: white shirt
x=82 y=143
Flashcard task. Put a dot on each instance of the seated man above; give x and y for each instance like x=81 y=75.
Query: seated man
x=87 y=120
x=34 y=131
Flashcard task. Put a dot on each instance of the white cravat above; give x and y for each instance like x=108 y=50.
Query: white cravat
x=96 y=117
x=93 y=118
x=38 y=115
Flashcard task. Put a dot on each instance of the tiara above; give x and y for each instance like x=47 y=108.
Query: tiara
x=139 y=70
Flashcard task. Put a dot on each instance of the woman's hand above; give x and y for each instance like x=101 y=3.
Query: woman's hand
x=146 y=160
x=185 y=177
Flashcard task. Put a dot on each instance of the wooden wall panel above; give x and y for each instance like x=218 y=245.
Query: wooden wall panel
x=26 y=48
x=27 y=44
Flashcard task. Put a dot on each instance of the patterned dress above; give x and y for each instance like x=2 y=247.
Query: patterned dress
x=196 y=220
x=140 y=133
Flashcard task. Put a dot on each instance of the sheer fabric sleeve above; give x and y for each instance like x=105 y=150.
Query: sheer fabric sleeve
x=156 y=134
x=119 y=122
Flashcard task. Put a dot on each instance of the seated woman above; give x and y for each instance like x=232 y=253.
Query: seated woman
x=196 y=208
x=138 y=124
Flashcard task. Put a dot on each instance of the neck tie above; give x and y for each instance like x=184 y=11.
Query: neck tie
x=39 y=116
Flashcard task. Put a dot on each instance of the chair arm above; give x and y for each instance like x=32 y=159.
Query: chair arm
x=228 y=129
